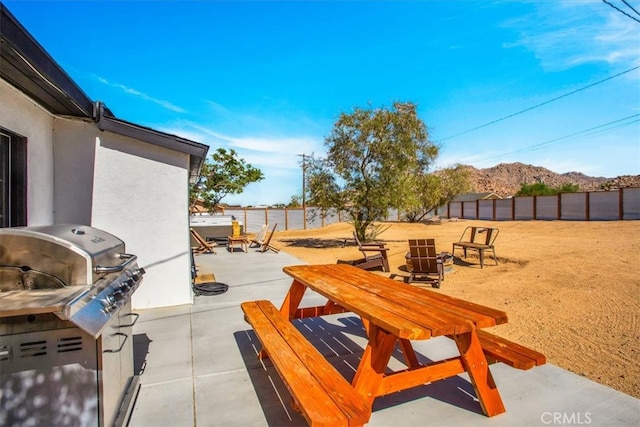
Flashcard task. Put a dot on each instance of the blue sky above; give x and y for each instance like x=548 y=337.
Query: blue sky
x=270 y=78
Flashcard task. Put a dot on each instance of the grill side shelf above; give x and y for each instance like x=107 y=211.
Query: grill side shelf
x=37 y=301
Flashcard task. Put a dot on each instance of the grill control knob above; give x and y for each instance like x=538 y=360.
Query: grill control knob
x=137 y=273
x=118 y=295
x=108 y=303
x=126 y=285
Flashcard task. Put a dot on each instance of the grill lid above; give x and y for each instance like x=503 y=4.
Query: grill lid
x=80 y=273
x=68 y=252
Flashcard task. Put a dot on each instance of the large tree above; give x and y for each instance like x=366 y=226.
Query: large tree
x=437 y=189
x=223 y=174
x=374 y=156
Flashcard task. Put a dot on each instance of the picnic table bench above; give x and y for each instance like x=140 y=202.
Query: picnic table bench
x=392 y=313
x=479 y=239
x=319 y=391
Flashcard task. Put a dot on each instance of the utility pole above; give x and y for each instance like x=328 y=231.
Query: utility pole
x=304 y=190
x=304 y=180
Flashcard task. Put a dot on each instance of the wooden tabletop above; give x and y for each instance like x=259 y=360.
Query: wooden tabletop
x=404 y=310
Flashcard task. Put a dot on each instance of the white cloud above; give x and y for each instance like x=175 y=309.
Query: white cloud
x=567 y=33
x=165 y=104
x=264 y=152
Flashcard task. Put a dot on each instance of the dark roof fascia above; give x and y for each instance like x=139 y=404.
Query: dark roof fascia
x=25 y=64
x=197 y=152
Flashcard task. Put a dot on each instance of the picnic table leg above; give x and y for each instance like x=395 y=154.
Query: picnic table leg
x=365 y=324
x=292 y=300
x=407 y=349
x=289 y=306
x=409 y=354
x=374 y=363
x=476 y=365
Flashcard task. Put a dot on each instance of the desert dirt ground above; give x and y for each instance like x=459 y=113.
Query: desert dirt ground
x=571 y=289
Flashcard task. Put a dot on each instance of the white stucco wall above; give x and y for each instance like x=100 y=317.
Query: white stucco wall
x=141 y=195
x=74 y=154
x=22 y=116
x=134 y=190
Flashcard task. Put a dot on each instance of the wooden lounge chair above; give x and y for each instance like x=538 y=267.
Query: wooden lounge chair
x=204 y=246
x=265 y=245
x=375 y=255
x=425 y=263
x=259 y=237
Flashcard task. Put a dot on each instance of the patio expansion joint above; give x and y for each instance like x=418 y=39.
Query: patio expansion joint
x=171 y=381
x=217 y=374
x=193 y=367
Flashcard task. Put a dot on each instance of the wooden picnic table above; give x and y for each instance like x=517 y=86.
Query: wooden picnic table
x=394 y=312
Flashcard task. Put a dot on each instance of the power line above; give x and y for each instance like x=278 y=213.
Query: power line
x=593 y=130
x=539 y=105
x=631 y=7
x=622 y=11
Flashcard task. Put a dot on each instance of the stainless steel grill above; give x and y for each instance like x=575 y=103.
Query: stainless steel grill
x=66 y=353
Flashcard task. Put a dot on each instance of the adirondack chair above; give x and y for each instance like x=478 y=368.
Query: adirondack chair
x=425 y=263
x=375 y=255
x=204 y=246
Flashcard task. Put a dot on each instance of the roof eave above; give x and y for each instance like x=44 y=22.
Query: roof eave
x=27 y=66
x=197 y=152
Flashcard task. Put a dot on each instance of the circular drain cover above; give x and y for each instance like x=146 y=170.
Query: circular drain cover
x=210 y=288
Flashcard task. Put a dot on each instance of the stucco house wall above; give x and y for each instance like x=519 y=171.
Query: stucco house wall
x=141 y=194
x=22 y=116
x=74 y=159
x=134 y=190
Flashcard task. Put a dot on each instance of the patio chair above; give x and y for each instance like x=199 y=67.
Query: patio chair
x=259 y=237
x=204 y=246
x=375 y=255
x=265 y=245
x=479 y=239
x=425 y=263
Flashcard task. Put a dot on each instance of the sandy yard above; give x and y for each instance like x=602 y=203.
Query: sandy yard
x=571 y=289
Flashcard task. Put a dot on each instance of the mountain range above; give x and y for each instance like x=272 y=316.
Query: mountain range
x=505 y=179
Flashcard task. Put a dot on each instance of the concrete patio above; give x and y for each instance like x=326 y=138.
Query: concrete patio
x=198 y=366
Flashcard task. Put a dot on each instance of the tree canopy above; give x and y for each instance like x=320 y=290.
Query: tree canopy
x=542 y=189
x=374 y=157
x=223 y=174
x=437 y=189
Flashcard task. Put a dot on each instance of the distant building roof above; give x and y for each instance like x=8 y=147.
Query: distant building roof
x=472 y=197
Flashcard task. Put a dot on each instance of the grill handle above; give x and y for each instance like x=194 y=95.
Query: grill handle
x=128 y=259
x=135 y=316
x=118 y=350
